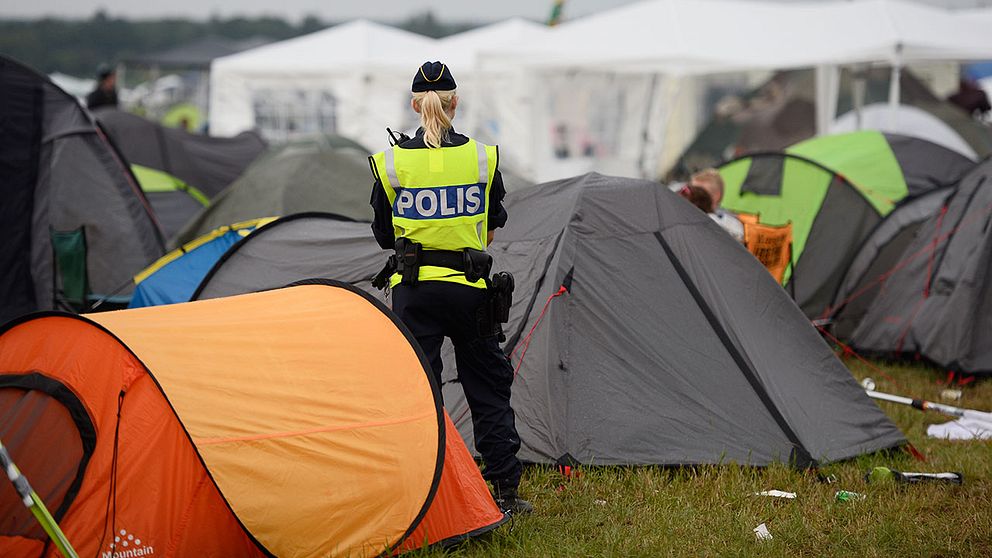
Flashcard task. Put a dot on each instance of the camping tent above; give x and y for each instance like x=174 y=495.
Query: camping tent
x=179 y=172
x=75 y=225
x=613 y=86
x=905 y=120
x=878 y=256
x=307 y=176
x=479 y=103
x=184 y=104
x=130 y=443
x=934 y=299
x=174 y=277
x=293 y=248
x=834 y=190
x=206 y=163
x=351 y=79
x=641 y=332
x=782 y=112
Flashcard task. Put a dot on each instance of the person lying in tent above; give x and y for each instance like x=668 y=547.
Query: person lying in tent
x=711 y=181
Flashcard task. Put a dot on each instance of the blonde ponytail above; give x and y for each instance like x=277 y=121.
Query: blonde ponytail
x=434 y=118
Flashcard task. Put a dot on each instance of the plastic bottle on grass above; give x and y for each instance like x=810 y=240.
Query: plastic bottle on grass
x=848 y=496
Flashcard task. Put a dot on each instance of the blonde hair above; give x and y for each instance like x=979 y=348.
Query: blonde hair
x=434 y=119
x=710 y=180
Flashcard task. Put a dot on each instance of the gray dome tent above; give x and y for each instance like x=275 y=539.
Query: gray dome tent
x=75 y=225
x=641 y=332
x=877 y=258
x=180 y=172
x=295 y=247
x=298 y=177
x=934 y=298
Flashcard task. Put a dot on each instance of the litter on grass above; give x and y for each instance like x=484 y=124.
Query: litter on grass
x=762 y=533
x=961 y=429
x=848 y=496
x=884 y=474
x=777 y=494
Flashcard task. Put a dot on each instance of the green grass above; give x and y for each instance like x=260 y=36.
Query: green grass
x=710 y=511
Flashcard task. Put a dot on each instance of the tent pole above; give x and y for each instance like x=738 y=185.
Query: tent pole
x=925 y=405
x=33 y=502
x=858 y=87
x=895 y=86
x=827 y=85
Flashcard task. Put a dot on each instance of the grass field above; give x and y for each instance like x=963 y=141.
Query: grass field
x=711 y=511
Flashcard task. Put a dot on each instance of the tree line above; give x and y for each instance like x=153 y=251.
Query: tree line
x=78 y=46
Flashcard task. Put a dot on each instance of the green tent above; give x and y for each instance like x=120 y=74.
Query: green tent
x=834 y=190
x=326 y=174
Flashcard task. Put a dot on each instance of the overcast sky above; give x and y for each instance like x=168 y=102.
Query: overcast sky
x=331 y=10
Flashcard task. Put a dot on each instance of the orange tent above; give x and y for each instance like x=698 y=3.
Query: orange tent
x=463 y=507
x=293 y=422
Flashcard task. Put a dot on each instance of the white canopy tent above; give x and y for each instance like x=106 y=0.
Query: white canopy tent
x=629 y=70
x=352 y=79
x=461 y=51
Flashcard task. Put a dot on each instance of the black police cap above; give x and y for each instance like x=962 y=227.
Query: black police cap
x=433 y=76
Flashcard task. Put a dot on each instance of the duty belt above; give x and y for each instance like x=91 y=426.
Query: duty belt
x=443 y=258
x=410 y=256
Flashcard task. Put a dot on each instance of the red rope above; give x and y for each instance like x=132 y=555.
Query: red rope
x=526 y=341
x=933 y=252
x=909 y=324
x=925 y=293
x=848 y=351
x=929 y=248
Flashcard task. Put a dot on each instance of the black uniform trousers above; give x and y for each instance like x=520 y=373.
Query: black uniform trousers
x=433 y=310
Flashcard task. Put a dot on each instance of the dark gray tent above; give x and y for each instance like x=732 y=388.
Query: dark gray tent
x=192 y=168
x=207 y=163
x=308 y=176
x=877 y=258
x=668 y=343
x=935 y=301
x=75 y=225
x=299 y=246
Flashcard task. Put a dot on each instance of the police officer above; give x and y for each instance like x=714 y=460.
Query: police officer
x=437 y=199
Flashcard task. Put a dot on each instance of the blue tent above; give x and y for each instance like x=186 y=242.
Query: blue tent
x=175 y=276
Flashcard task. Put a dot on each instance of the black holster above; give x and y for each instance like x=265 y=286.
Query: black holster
x=495 y=311
x=478 y=264
x=381 y=279
x=408 y=260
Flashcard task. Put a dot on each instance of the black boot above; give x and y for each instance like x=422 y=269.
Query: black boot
x=511 y=503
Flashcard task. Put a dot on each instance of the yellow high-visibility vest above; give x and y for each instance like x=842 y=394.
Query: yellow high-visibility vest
x=440 y=199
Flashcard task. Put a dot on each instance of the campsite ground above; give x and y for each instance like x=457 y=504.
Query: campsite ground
x=711 y=511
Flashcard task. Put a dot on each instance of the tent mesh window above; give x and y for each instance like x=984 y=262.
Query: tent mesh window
x=50 y=438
